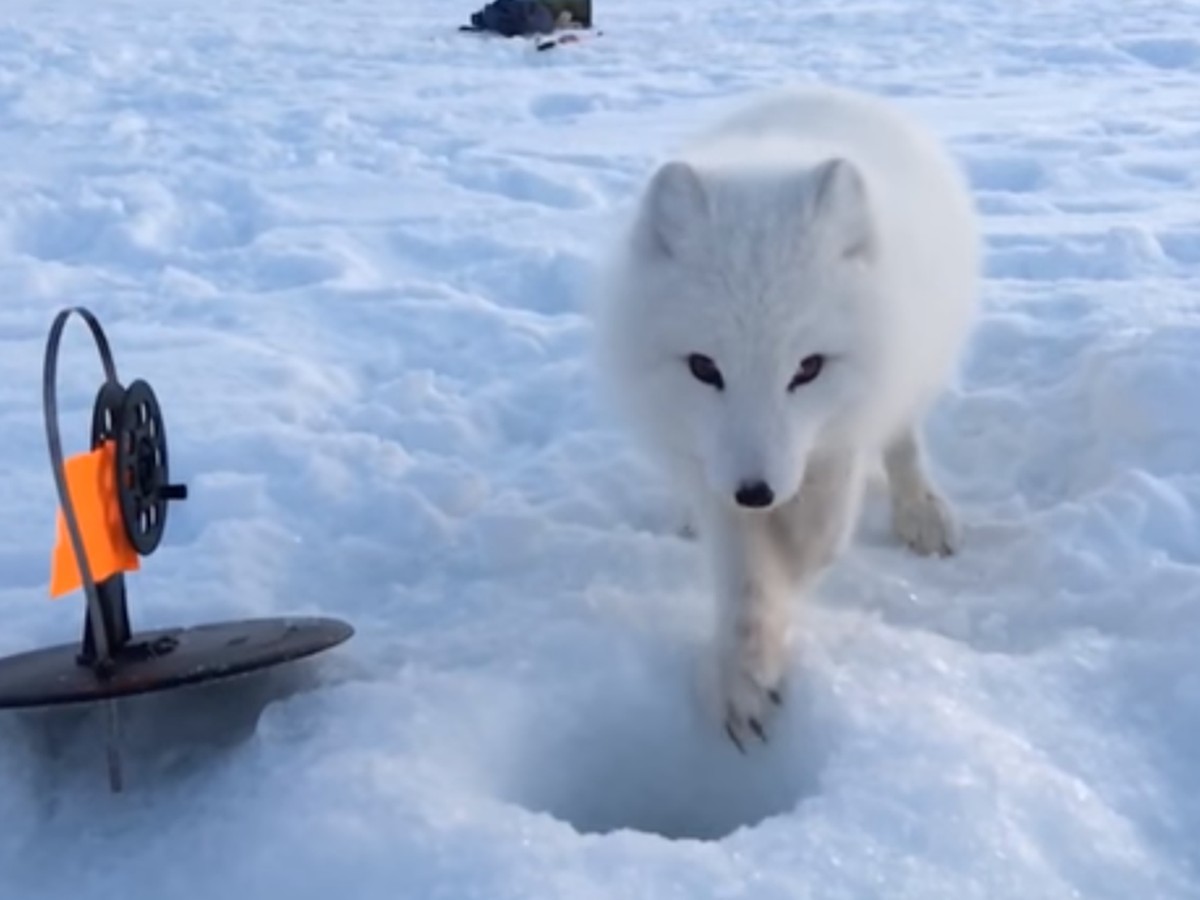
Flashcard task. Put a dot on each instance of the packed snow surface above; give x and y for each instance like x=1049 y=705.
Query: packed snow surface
x=351 y=249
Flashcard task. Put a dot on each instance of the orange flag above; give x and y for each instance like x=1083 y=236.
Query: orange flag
x=92 y=487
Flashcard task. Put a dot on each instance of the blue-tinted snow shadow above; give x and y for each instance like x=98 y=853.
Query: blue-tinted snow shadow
x=167 y=739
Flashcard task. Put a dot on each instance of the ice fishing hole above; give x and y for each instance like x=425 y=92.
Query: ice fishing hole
x=650 y=761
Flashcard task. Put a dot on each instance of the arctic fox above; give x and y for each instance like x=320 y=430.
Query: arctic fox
x=791 y=295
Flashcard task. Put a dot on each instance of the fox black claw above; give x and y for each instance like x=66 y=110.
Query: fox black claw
x=757 y=728
x=733 y=737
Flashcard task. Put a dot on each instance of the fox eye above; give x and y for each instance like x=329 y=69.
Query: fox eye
x=704 y=369
x=810 y=368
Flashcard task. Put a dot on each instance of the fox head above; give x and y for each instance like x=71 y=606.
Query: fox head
x=747 y=334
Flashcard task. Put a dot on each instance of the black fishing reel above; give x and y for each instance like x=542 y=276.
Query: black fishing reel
x=132 y=419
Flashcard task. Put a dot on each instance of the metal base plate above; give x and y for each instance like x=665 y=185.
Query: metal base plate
x=203 y=653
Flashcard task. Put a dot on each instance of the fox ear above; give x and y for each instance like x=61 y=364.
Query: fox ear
x=674 y=210
x=840 y=202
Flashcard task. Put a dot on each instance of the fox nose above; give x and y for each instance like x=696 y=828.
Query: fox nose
x=755 y=494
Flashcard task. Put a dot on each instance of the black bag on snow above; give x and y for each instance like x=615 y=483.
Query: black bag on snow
x=513 y=18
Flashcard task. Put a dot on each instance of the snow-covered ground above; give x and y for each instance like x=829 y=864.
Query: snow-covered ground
x=350 y=248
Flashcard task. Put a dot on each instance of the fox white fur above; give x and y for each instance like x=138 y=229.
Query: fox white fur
x=816 y=223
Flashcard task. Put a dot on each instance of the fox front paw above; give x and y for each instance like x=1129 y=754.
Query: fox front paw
x=749 y=708
x=750 y=695
x=926 y=524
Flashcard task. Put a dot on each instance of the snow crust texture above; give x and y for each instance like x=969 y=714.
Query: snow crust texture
x=351 y=249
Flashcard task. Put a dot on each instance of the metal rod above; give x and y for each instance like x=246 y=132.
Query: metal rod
x=54 y=439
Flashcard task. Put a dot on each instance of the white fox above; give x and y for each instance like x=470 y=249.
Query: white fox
x=793 y=293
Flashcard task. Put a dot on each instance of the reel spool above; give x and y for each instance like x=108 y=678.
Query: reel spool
x=133 y=419
x=113 y=661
